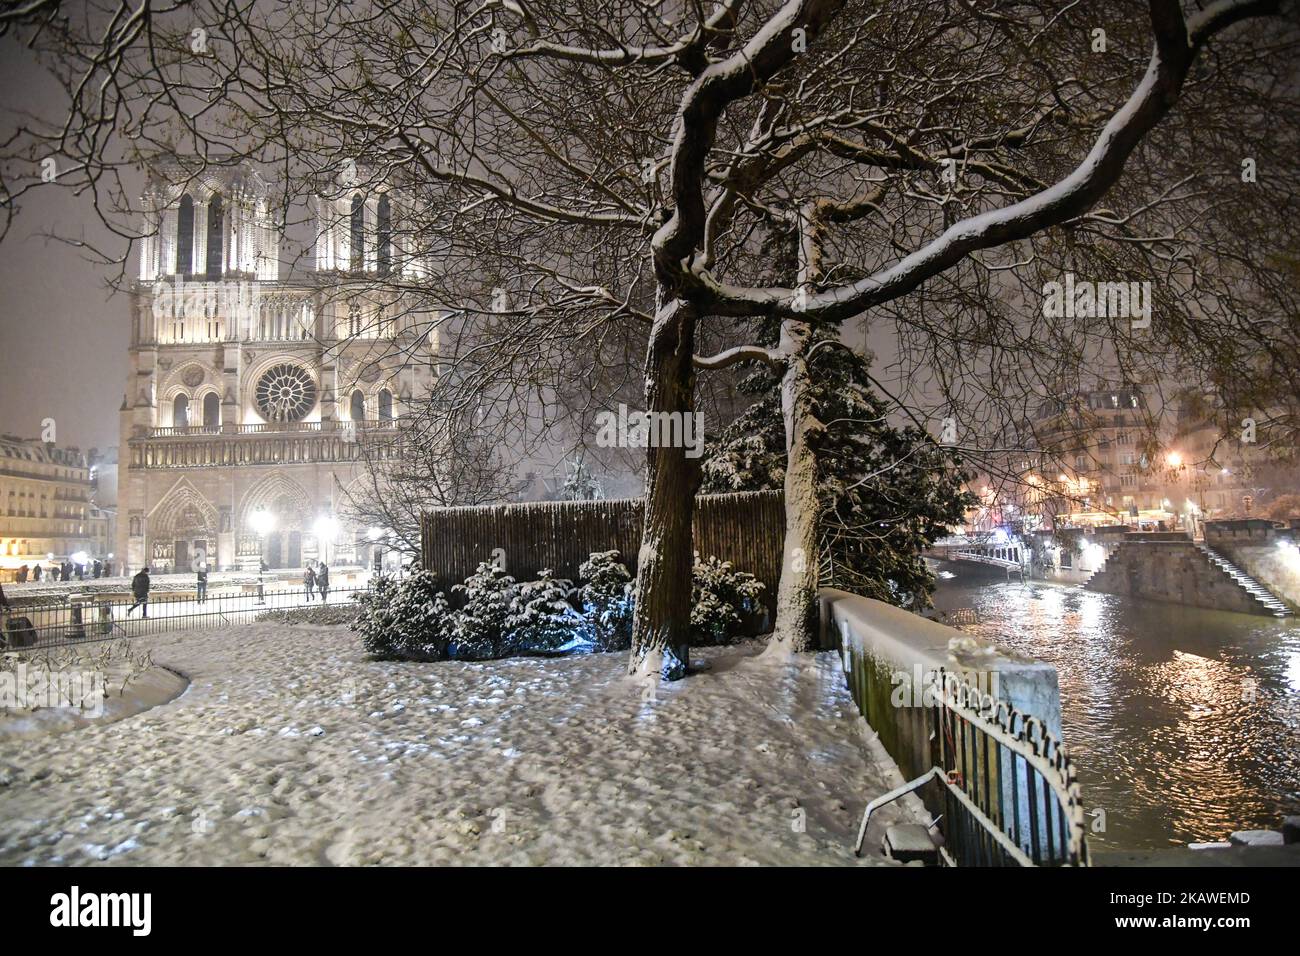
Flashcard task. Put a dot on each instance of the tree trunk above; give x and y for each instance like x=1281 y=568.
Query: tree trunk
x=796 y=593
x=662 y=622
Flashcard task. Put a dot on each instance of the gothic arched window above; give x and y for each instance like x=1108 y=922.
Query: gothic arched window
x=215 y=234
x=181 y=411
x=358 y=406
x=185 y=236
x=384 y=235
x=385 y=406
x=211 y=410
x=358 y=244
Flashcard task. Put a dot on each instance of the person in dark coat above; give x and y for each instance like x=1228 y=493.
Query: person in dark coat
x=201 y=576
x=37 y=572
x=309 y=581
x=22 y=574
x=99 y=567
x=323 y=581
x=140 y=588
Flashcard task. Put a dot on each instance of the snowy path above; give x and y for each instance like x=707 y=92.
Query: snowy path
x=291 y=747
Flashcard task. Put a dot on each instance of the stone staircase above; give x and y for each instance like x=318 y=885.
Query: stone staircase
x=1110 y=550
x=1252 y=587
x=1179 y=571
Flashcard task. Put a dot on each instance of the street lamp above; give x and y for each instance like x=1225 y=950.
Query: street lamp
x=374 y=536
x=263 y=523
x=326 y=528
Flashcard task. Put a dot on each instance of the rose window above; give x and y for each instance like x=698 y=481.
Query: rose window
x=285 y=393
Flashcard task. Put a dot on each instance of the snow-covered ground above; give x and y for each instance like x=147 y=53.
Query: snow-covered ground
x=290 y=746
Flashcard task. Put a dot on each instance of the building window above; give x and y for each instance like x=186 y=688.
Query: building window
x=215 y=232
x=181 y=411
x=384 y=237
x=285 y=393
x=357 y=248
x=211 y=410
x=358 y=406
x=185 y=236
x=385 y=406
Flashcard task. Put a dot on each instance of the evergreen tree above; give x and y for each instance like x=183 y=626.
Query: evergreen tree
x=479 y=631
x=541 y=617
x=607 y=599
x=885 y=491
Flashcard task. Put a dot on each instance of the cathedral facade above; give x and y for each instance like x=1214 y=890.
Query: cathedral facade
x=250 y=392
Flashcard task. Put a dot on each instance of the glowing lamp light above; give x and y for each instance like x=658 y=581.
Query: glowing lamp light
x=262 y=521
x=374 y=534
x=79 y=557
x=326 y=527
x=1174 y=459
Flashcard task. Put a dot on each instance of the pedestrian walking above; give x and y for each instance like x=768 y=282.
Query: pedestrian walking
x=309 y=581
x=201 y=576
x=140 y=588
x=323 y=581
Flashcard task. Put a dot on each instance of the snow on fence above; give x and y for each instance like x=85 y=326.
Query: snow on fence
x=743 y=527
x=983 y=723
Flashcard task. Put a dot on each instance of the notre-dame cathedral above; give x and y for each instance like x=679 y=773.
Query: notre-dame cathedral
x=247 y=387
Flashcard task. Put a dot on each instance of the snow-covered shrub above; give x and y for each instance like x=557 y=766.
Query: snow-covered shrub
x=607 y=600
x=479 y=630
x=408 y=619
x=719 y=598
x=542 y=619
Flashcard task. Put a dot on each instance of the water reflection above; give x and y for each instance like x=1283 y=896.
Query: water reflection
x=1185 y=723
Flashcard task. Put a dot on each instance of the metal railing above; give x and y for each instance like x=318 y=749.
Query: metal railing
x=1009 y=792
x=80 y=618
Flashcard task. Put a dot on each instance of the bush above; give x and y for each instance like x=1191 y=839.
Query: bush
x=542 y=619
x=479 y=630
x=410 y=619
x=498 y=617
x=719 y=597
x=607 y=600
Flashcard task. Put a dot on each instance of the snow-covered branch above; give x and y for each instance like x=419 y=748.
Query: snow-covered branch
x=1153 y=98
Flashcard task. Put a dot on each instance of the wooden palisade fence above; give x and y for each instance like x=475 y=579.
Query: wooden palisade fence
x=743 y=527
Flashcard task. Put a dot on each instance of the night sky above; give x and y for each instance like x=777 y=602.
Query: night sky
x=63 y=337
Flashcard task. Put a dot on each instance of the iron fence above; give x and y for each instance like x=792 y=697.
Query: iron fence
x=97 y=616
x=1010 y=795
